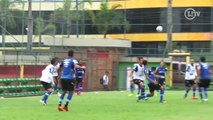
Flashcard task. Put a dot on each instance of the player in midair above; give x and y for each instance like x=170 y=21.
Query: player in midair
x=137 y=76
x=204 y=75
x=79 y=74
x=190 y=78
x=47 y=80
x=67 y=68
x=160 y=73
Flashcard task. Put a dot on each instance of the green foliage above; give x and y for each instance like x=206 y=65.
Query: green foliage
x=7 y=12
x=107 y=18
x=50 y=29
x=67 y=14
x=39 y=26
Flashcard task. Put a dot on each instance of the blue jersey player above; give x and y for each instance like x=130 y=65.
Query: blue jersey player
x=152 y=82
x=204 y=74
x=160 y=72
x=67 y=68
x=79 y=74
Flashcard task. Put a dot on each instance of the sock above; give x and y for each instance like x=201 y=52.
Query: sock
x=80 y=87
x=69 y=97
x=56 y=89
x=138 y=90
x=61 y=99
x=187 y=91
x=132 y=88
x=142 y=92
x=206 y=93
x=194 y=92
x=46 y=95
x=148 y=95
x=200 y=91
x=76 y=88
x=161 y=95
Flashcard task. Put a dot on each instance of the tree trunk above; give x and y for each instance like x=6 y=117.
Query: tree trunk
x=40 y=39
x=3 y=30
x=30 y=26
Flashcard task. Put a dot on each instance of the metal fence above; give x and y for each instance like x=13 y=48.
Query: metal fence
x=22 y=64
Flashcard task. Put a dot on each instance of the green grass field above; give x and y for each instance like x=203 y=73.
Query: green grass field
x=108 y=106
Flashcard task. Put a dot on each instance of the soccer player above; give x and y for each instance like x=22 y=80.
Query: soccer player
x=106 y=81
x=152 y=82
x=47 y=80
x=204 y=73
x=160 y=72
x=190 y=77
x=67 y=68
x=79 y=74
x=55 y=77
x=137 y=76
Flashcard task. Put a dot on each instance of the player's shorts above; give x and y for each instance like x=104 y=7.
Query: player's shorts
x=153 y=87
x=137 y=81
x=161 y=81
x=189 y=83
x=67 y=84
x=79 y=80
x=204 y=83
x=46 y=85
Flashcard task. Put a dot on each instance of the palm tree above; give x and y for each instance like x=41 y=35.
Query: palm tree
x=107 y=18
x=50 y=29
x=6 y=16
x=39 y=28
x=68 y=14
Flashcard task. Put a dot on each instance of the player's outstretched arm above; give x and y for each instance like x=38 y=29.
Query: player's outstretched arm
x=78 y=66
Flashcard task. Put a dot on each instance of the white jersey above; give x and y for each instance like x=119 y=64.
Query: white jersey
x=139 y=72
x=105 y=79
x=55 y=71
x=191 y=72
x=47 y=74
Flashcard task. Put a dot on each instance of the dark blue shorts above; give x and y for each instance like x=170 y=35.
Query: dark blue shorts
x=67 y=84
x=79 y=80
x=204 y=83
x=46 y=85
x=137 y=81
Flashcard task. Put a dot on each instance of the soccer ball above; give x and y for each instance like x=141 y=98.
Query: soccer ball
x=159 y=28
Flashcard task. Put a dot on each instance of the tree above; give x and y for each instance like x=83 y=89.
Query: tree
x=107 y=18
x=39 y=28
x=67 y=14
x=6 y=16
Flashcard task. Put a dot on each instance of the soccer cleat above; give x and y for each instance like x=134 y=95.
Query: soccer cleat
x=142 y=98
x=137 y=95
x=60 y=108
x=194 y=98
x=205 y=100
x=130 y=95
x=65 y=108
x=163 y=101
x=43 y=102
x=79 y=94
x=146 y=98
